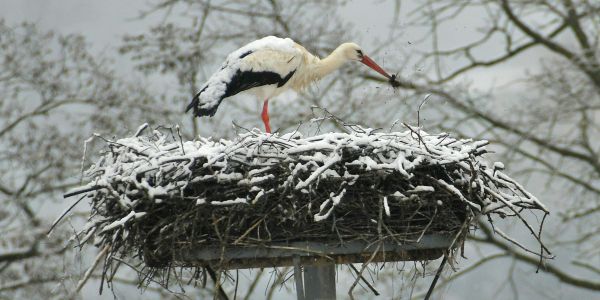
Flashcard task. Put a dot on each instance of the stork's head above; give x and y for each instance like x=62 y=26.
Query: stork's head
x=352 y=51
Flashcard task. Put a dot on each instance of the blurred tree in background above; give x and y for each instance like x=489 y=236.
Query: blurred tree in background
x=543 y=122
x=547 y=130
x=54 y=94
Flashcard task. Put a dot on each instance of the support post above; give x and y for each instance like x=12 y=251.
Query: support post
x=319 y=282
x=299 y=279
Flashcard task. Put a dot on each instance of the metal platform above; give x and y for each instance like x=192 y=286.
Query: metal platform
x=310 y=253
x=314 y=263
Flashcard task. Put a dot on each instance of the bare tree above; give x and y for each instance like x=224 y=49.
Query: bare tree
x=549 y=134
x=53 y=94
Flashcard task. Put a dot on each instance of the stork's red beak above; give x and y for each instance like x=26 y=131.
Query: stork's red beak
x=369 y=62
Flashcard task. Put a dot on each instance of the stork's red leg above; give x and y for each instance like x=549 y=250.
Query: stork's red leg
x=265 y=116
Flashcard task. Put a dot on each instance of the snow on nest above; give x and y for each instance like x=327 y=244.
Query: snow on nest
x=164 y=167
x=149 y=191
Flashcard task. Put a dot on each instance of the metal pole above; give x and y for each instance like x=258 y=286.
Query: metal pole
x=319 y=282
x=299 y=279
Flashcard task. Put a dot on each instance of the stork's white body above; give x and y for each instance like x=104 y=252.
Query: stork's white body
x=268 y=67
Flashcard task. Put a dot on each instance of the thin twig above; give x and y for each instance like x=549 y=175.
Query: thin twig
x=88 y=273
x=437 y=276
x=64 y=214
x=180 y=139
x=371 y=287
x=419 y=110
x=362 y=269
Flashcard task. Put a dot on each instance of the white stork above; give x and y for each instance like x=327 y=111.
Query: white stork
x=269 y=66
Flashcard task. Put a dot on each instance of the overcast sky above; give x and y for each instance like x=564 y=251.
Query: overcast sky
x=103 y=23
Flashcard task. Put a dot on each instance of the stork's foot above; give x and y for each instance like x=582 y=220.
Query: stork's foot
x=265 y=116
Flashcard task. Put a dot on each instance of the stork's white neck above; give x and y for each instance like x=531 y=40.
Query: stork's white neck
x=332 y=62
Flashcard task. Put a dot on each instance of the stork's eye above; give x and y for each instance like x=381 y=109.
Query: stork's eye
x=359 y=52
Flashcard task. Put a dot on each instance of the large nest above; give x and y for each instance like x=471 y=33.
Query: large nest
x=154 y=193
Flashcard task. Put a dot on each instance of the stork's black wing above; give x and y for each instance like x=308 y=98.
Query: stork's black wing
x=250 y=70
x=245 y=80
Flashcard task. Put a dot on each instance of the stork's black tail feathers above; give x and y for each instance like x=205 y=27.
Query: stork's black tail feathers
x=201 y=109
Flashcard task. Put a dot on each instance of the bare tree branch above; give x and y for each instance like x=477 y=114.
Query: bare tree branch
x=534 y=261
